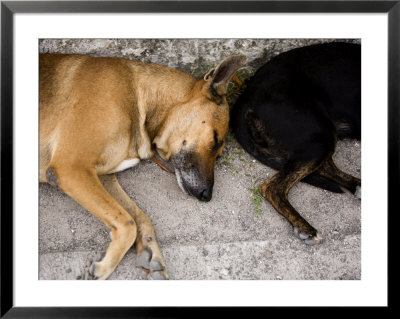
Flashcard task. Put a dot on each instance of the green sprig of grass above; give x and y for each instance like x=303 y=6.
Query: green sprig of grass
x=256 y=197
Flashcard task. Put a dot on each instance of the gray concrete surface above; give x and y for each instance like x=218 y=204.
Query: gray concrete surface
x=228 y=237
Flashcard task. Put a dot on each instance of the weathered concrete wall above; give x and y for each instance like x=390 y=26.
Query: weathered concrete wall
x=193 y=56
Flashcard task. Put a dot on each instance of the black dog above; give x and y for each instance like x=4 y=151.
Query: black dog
x=290 y=116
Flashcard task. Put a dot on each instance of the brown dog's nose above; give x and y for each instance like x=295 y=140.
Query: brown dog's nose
x=205 y=195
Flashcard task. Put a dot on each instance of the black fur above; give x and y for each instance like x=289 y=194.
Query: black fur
x=298 y=104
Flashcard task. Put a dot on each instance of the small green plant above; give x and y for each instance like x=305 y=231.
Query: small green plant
x=244 y=159
x=196 y=71
x=256 y=197
x=235 y=170
x=237 y=151
x=225 y=159
x=201 y=69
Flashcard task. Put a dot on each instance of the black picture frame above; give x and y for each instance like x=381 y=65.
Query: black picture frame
x=9 y=8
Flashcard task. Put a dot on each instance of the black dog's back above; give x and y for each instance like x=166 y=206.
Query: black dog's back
x=305 y=97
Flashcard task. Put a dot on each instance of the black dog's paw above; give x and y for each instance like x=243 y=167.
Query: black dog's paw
x=309 y=239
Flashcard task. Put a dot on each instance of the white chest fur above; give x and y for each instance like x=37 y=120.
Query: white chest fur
x=126 y=164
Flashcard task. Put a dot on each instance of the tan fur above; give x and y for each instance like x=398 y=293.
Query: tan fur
x=97 y=112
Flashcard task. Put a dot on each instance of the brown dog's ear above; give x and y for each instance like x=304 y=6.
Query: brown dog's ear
x=220 y=76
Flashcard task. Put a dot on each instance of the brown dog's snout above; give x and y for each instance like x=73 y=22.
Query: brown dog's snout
x=195 y=185
x=193 y=177
x=205 y=194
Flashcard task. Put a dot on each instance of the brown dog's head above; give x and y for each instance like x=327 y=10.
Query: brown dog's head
x=193 y=135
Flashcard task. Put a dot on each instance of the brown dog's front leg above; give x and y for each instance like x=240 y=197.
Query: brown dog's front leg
x=276 y=191
x=84 y=186
x=148 y=252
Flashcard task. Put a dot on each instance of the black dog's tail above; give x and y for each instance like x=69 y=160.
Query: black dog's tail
x=275 y=163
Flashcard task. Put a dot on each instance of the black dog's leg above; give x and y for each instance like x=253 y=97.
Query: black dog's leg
x=329 y=170
x=276 y=191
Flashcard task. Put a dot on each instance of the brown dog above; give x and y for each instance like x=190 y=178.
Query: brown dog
x=99 y=116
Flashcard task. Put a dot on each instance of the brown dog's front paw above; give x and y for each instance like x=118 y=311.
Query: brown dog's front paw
x=89 y=272
x=152 y=265
x=310 y=238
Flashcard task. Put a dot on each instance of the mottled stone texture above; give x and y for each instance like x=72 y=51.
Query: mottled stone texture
x=193 y=56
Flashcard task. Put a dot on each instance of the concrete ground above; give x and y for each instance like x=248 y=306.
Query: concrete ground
x=231 y=237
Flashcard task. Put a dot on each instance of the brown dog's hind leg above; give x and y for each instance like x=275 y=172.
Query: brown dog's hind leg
x=329 y=170
x=84 y=186
x=276 y=191
x=148 y=252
